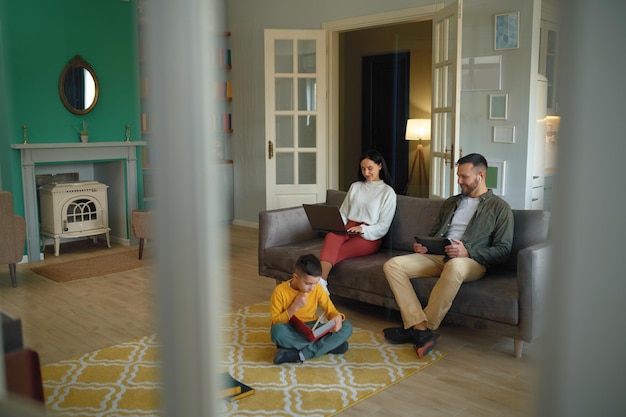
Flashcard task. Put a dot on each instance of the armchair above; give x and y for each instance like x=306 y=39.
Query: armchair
x=141 y=225
x=12 y=235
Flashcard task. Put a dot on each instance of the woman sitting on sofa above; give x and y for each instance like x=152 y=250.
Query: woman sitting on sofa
x=367 y=211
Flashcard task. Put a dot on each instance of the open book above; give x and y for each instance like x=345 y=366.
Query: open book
x=314 y=333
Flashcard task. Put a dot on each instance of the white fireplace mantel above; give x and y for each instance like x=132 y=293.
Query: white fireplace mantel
x=68 y=153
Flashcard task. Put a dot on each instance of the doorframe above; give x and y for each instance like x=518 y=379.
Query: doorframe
x=333 y=29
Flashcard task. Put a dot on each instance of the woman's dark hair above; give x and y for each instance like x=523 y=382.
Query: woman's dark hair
x=377 y=158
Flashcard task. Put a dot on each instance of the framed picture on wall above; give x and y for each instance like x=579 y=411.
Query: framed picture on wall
x=504 y=134
x=498 y=104
x=481 y=73
x=506 y=32
x=495 y=176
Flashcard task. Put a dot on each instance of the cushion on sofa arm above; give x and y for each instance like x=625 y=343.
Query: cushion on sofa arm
x=282 y=226
x=530 y=227
x=284 y=257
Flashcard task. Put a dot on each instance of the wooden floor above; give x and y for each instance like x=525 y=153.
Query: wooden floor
x=478 y=377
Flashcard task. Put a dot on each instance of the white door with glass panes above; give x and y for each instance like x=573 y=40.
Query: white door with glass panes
x=295 y=117
x=445 y=118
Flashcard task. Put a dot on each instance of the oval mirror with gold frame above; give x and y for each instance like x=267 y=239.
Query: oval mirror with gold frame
x=78 y=86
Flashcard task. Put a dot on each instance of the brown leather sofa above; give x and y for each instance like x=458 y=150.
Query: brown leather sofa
x=12 y=235
x=508 y=301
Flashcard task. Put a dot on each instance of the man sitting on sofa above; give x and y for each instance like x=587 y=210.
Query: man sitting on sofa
x=480 y=227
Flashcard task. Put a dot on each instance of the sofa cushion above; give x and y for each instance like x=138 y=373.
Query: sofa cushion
x=363 y=272
x=335 y=197
x=414 y=216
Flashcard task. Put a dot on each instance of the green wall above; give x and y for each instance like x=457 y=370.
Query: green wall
x=38 y=38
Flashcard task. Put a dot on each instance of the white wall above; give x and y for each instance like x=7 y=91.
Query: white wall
x=248 y=18
x=519 y=73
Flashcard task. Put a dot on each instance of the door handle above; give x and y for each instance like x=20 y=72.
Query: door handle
x=449 y=158
x=270 y=149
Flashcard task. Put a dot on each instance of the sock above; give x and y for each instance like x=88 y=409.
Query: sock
x=301 y=355
x=324 y=285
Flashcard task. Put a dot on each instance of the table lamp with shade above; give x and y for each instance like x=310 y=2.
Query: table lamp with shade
x=418 y=129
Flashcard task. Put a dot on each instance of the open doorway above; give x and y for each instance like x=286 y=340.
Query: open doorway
x=415 y=38
x=385 y=107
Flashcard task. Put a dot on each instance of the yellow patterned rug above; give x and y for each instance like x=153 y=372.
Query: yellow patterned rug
x=123 y=380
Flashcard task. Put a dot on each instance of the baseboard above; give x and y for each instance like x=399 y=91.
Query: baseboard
x=245 y=223
x=120 y=240
x=25 y=259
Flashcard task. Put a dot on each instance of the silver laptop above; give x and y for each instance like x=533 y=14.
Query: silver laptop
x=325 y=218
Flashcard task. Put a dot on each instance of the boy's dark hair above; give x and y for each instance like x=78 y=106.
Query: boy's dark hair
x=309 y=264
x=377 y=158
x=475 y=159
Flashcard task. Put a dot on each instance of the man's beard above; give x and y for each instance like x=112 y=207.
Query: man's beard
x=469 y=188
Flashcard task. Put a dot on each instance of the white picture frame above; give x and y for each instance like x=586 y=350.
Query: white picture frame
x=496 y=176
x=498 y=106
x=481 y=73
x=503 y=134
x=506 y=31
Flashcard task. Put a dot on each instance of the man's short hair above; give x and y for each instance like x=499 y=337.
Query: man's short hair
x=475 y=159
x=309 y=264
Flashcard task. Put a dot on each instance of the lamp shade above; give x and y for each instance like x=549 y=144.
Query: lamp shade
x=417 y=129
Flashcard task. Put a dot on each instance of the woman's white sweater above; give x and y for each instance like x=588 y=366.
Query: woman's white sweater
x=370 y=202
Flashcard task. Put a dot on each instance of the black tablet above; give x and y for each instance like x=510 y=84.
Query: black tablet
x=435 y=245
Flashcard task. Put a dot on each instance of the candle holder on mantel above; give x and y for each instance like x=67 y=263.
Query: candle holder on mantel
x=25 y=135
x=127 y=133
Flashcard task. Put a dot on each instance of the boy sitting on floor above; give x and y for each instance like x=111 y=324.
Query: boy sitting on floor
x=300 y=296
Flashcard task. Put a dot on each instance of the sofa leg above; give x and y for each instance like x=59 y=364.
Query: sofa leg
x=141 y=242
x=518 y=347
x=13 y=273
